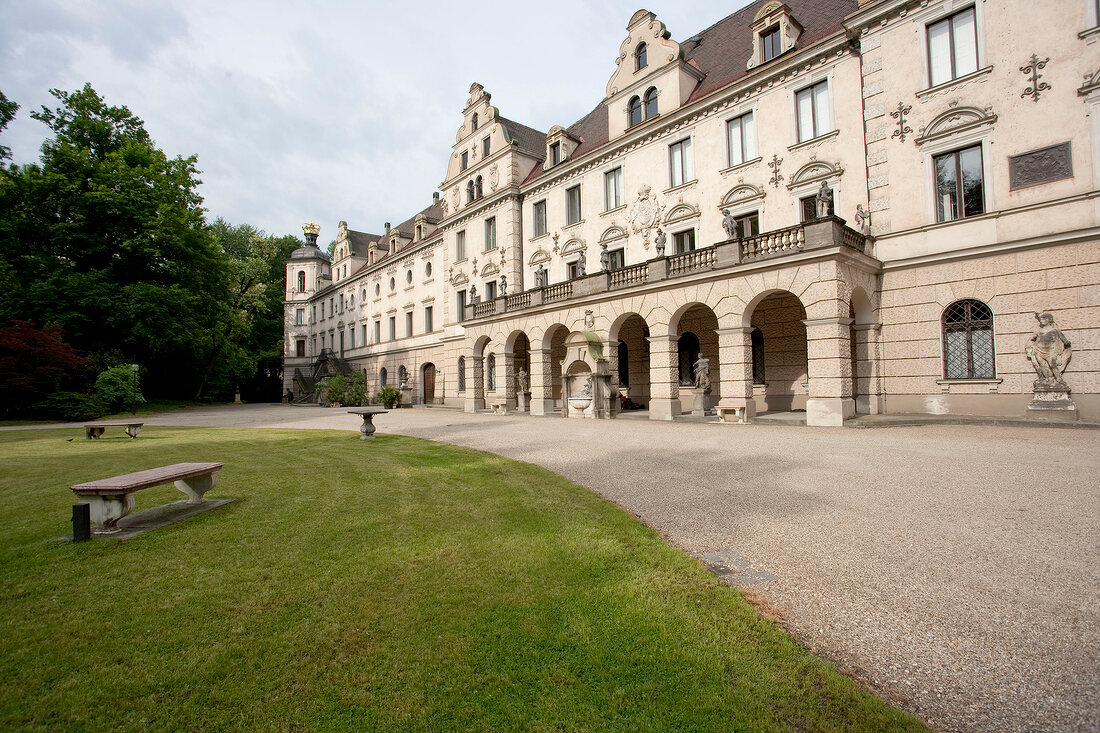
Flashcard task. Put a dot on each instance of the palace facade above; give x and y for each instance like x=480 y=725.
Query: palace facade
x=837 y=206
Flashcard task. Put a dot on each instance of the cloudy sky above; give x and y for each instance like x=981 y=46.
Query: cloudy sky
x=318 y=110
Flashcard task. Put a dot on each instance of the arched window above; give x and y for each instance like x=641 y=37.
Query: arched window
x=651 y=102
x=477 y=187
x=688 y=348
x=301 y=281
x=475 y=120
x=462 y=374
x=640 y=57
x=491 y=373
x=757 y=355
x=469 y=192
x=382 y=377
x=402 y=375
x=635 y=110
x=968 y=341
x=624 y=364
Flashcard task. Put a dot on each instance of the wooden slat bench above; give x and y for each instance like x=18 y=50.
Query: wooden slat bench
x=96 y=429
x=111 y=499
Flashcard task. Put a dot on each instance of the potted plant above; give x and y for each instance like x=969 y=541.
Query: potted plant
x=389 y=396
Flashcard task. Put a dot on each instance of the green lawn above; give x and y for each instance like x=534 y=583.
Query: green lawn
x=392 y=585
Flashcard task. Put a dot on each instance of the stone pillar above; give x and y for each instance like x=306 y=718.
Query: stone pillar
x=612 y=351
x=664 y=378
x=508 y=362
x=475 y=383
x=828 y=346
x=542 y=383
x=867 y=382
x=735 y=369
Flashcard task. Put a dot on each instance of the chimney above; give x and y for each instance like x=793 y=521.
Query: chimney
x=387 y=227
x=435 y=197
x=311 y=230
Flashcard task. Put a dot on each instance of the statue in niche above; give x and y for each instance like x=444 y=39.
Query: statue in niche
x=586 y=390
x=863 y=220
x=1049 y=352
x=729 y=224
x=540 y=276
x=521 y=381
x=582 y=263
x=503 y=285
x=702 y=373
x=474 y=297
x=824 y=199
x=605 y=257
x=659 y=243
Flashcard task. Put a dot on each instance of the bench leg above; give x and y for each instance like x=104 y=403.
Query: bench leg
x=93 y=432
x=196 y=486
x=133 y=430
x=105 y=511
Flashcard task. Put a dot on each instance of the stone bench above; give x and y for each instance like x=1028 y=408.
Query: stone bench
x=96 y=429
x=736 y=412
x=111 y=499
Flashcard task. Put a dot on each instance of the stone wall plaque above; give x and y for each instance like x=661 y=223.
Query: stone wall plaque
x=1040 y=166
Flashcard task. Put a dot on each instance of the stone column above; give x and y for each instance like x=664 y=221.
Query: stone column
x=508 y=362
x=828 y=346
x=867 y=383
x=542 y=383
x=664 y=378
x=735 y=362
x=613 y=369
x=475 y=383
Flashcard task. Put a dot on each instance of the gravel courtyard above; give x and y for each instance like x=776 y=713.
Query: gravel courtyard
x=954 y=569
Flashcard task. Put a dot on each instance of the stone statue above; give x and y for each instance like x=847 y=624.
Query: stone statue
x=863 y=219
x=582 y=262
x=474 y=297
x=659 y=243
x=540 y=276
x=586 y=391
x=1049 y=352
x=521 y=381
x=824 y=199
x=605 y=257
x=702 y=372
x=729 y=224
x=503 y=285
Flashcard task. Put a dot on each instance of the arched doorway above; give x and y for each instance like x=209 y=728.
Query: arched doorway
x=780 y=355
x=555 y=342
x=697 y=336
x=629 y=335
x=427 y=380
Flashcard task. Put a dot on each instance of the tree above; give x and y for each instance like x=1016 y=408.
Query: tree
x=8 y=109
x=34 y=362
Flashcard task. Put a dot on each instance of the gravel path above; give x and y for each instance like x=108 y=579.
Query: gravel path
x=953 y=569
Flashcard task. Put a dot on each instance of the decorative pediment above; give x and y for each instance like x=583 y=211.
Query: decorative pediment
x=573 y=245
x=680 y=212
x=459 y=278
x=489 y=269
x=660 y=50
x=954 y=121
x=815 y=170
x=539 y=255
x=773 y=16
x=612 y=233
x=741 y=194
x=1092 y=83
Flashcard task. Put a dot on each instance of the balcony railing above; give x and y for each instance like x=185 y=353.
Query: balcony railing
x=770 y=244
x=627 y=276
x=699 y=259
x=561 y=291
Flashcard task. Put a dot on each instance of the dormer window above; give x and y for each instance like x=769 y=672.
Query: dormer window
x=419 y=231
x=640 y=61
x=475 y=120
x=555 y=153
x=651 y=102
x=634 y=109
x=465 y=160
x=770 y=43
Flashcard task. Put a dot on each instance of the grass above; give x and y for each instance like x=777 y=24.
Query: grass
x=393 y=585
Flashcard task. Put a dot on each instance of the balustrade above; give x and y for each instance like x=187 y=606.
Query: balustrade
x=560 y=291
x=769 y=244
x=699 y=259
x=518 y=300
x=633 y=275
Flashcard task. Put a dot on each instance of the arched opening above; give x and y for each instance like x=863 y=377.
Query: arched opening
x=469 y=191
x=696 y=332
x=462 y=374
x=382 y=377
x=687 y=353
x=783 y=356
x=301 y=281
x=477 y=188
x=427 y=381
x=402 y=376
x=640 y=60
x=651 y=102
x=631 y=336
x=474 y=121
x=634 y=110
x=554 y=341
x=491 y=373
x=521 y=368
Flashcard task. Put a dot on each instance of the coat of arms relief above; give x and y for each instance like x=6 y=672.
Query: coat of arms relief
x=645 y=214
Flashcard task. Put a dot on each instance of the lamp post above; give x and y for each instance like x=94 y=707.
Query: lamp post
x=133 y=389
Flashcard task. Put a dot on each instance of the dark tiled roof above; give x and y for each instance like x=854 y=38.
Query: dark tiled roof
x=721 y=54
x=530 y=141
x=433 y=214
x=360 y=242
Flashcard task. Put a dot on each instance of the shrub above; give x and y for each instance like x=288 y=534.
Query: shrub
x=389 y=396
x=331 y=389
x=71 y=407
x=356 y=391
x=118 y=387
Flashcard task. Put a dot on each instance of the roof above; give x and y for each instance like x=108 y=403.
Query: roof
x=360 y=242
x=309 y=252
x=432 y=214
x=720 y=52
x=529 y=140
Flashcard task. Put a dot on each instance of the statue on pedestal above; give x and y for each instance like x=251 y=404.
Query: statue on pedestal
x=729 y=224
x=824 y=200
x=540 y=276
x=474 y=297
x=521 y=381
x=702 y=373
x=659 y=243
x=863 y=220
x=503 y=285
x=1049 y=352
x=605 y=257
x=582 y=263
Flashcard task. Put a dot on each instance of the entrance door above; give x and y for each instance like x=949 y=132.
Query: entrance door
x=429 y=384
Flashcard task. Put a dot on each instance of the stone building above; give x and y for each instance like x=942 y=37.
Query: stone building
x=835 y=206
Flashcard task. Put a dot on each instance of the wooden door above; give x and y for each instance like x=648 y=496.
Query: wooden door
x=429 y=384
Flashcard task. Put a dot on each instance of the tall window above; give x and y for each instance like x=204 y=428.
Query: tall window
x=477 y=187
x=613 y=189
x=741 y=132
x=490 y=290
x=952 y=47
x=382 y=376
x=485 y=148
x=409 y=323
x=814 y=111
x=651 y=102
x=684 y=241
x=769 y=43
x=393 y=327
x=640 y=61
x=299 y=316
x=960 y=189
x=747 y=225
x=680 y=163
x=490 y=233
x=491 y=373
x=465 y=160
x=462 y=374
x=634 y=110
x=461 y=305
x=616 y=259
x=301 y=281
x=469 y=191
x=460 y=245
x=968 y=341
x=555 y=153
x=428 y=328
x=572 y=205
x=757 y=340
x=475 y=120
x=300 y=347
x=539 y=211
x=377 y=331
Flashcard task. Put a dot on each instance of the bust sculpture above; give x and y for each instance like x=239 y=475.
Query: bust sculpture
x=1049 y=352
x=824 y=199
x=729 y=224
x=659 y=243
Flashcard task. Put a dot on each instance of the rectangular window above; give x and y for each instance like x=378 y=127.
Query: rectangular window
x=769 y=43
x=814 y=111
x=809 y=208
x=428 y=327
x=572 y=270
x=461 y=305
x=680 y=163
x=613 y=189
x=555 y=153
x=952 y=47
x=322 y=342
x=393 y=328
x=409 y=323
x=741 y=132
x=539 y=212
x=684 y=241
x=490 y=233
x=300 y=347
x=748 y=225
x=616 y=259
x=485 y=148
x=313 y=314
x=363 y=333
x=572 y=205
x=314 y=344
x=299 y=316
x=351 y=337
x=491 y=290
x=377 y=331
x=960 y=188
x=460 y=245
x=465 y=160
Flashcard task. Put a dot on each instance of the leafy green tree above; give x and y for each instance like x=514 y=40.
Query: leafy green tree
x=34 y=362
x=118 y=387
x=8 y=109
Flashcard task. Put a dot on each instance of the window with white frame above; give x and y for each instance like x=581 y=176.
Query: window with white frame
x=393 y=328
x=490 y=233
x=485 y=147
x=634 y=110
x=640 y=61
x=684 y=241
x=680 y=163
x=651 y=102
x=428 y=326
x=299 y=316
x=555 y=153
x=968 y=341
x=409 y=323
x=747 y=225
x=613 y=189
x=770 y=43
x=960 y=184
x=952 y=47
x=539 y=215
x=490 y=290
x=616 y=259
x=814 y=111
x=573 y=205
x=465 y=160
x=460 y=245
x=377 y=331
x=741 y=132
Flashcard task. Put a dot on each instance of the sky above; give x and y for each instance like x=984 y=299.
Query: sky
x=318 y=111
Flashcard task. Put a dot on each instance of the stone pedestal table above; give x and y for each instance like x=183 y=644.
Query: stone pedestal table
x=367 y=429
